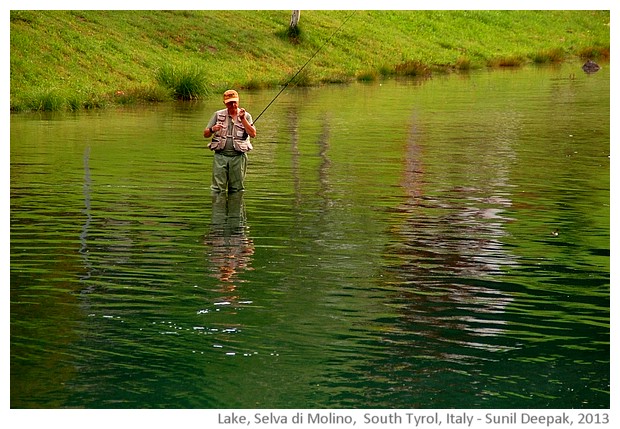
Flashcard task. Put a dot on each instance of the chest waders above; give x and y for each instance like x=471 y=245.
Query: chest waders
x=229 y=172
x=230 y=160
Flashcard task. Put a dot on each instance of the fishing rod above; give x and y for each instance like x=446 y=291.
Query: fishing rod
x=304 y=66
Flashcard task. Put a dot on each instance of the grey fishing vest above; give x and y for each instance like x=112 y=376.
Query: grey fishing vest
x=241 y=140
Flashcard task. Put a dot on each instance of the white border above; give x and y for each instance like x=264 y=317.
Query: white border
x=93 y=419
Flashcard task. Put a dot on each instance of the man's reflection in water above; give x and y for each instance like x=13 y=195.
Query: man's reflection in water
x=231 y=248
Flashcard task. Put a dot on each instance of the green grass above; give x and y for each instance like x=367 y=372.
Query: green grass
x=70 y=60
x=185 y=82
x=554 y=55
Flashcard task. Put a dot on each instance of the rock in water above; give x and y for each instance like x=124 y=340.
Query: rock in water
x=590 y=67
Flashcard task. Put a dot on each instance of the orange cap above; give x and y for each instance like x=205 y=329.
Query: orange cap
x=231 y=95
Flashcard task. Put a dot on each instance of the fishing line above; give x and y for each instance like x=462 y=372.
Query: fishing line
x=304 y=66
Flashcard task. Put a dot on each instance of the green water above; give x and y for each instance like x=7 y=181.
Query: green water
x=438 y=243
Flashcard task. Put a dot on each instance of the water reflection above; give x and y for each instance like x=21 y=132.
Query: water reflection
x=295 y=152
x=230 y=246
x=449 y=247
x=324 y=167
x=87 y=212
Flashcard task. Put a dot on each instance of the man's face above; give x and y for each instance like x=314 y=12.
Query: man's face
x=232 y=106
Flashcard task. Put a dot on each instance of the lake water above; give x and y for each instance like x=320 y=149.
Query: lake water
x=438 y=243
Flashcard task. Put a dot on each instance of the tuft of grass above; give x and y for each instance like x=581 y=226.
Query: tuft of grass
x=142 y=94
x=553 y=55
x=386 y=70
x=507 y=61
x=47 y=101
x=339 y=78
x=594 y=53
x=463 y=63
x=187 y=82
x=412 y=68
x=303 y=79
x=254 y=83
x=368 y=76
x=55 y=100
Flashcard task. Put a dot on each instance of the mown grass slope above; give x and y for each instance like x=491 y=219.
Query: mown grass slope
x=84 y=59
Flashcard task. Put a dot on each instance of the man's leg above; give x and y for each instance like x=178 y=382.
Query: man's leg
x=219 y=177
x=236 y=173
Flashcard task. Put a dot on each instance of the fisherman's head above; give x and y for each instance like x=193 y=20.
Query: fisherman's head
x=231 y=99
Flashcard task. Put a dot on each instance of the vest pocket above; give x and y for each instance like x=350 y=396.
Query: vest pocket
x=243 y=146
x=239 y=131
x=217 y=144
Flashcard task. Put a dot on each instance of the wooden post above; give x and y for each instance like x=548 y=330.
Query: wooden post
x=295 y=19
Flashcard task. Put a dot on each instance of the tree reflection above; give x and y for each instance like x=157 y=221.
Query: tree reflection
x=450 y=250
x=87 y=189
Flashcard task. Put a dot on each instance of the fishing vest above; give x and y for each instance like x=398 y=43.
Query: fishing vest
x=241 y=140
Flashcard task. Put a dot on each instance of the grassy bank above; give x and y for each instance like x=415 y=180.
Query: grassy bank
x=70 y=60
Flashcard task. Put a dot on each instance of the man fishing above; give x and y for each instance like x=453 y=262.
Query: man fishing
x=230 y=130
